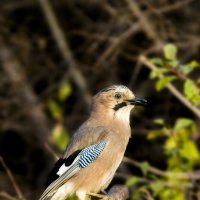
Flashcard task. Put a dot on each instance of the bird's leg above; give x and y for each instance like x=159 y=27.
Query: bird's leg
x=100 y=196
x=104 y=192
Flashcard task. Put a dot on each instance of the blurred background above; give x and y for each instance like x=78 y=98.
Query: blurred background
x=54 y=55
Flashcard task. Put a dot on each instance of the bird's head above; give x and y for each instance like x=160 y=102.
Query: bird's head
x=118 y=101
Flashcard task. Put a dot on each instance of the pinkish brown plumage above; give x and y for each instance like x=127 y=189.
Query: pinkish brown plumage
x=109 y=122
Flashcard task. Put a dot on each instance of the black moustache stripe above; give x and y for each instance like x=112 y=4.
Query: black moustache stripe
x=119 y=105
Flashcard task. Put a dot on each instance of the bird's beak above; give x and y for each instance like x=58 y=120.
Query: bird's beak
x=138 y=101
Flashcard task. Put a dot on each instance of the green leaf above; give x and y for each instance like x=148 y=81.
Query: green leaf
x=159 y=121
x=156 y=133
x=156 y=187
x=172 y=63
x=190 y=151
x=156 y=61
x=55 y=109
x=170 y=144
x=186 y=69
x=196 y=100
x=161 y=83
x=72 y=197
x=194 y=64
x=171 y=194
x=190 y=89
x=183 y=123
x=60 y=136
x=156 y=72
x=64 y=91
x=170 y=51
x=132 y=181
x=144 y=166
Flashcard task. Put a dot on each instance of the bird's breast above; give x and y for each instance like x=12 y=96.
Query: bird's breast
x=99 y=174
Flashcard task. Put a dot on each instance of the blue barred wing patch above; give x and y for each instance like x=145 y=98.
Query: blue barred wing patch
x=91 y=153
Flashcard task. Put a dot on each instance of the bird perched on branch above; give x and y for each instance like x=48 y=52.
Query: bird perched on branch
x=96 y=149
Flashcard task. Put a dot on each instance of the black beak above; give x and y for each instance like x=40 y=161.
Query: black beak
x=138 y=101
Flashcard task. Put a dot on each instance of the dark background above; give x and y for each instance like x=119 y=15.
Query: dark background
x=97 y=43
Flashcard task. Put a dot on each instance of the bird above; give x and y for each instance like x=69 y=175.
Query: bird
x=96 y=149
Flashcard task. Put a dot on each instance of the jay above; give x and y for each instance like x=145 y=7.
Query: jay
x=96 y=149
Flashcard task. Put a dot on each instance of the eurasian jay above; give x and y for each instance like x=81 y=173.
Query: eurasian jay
x=96 y=149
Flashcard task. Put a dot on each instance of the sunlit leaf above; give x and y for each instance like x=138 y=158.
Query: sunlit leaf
x=55 y=109
x=196 y=99
x=156 y=187
x=132 y=181
x=170 y=51
x=72 y=197
x=190 y=89
x=172 y=194
x=60 y=136
x=170 y=143
x=159 y=121
x=156 y=61
x=190 y=151
x=161 y=83
x=185 y=69
x=64 y=91
x=173 y=162
x=172 y=63
x=144 y=166
x=156 y=133
x=194 y=64
x=182 y=123
x=156 y=72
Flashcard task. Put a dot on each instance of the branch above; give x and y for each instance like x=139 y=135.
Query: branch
x=51 y=151
x=117 y=192
x=171 y=88
x=64 y=49
x=180 y=175
x=30 y=105
x=116 y=42
x=16 y=76
x=174 y=6
x=11 y=177
x=146 y=24
x=7 y=196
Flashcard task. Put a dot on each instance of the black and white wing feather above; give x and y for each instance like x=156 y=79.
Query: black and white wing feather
x=82 y=159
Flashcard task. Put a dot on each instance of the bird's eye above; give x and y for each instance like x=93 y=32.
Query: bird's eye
x=118 y=96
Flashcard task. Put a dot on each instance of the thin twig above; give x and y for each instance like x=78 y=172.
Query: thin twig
x=100 y=196
x=51 y=151
x=117 y=42
x=11 y=177
x=64 y=49
x=180 y=175
x=147 y=195
x=146 y=24
x=7 y=196
x=118 y=192
x=171 y=88
x=175 y=6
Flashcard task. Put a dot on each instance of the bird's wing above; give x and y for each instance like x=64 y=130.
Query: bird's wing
x=84 y=158
x=84 y=137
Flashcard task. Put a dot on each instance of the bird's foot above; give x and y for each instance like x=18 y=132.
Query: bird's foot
x=100 y=196
x=104 y=192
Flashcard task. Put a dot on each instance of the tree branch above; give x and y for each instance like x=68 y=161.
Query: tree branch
x=171 y=88
x=64 y=49
x=180 y=175
x=7 y=196
x=12 y=179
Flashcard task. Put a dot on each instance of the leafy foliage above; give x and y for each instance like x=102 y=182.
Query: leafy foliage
x=181 y=151
x=59 y=135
